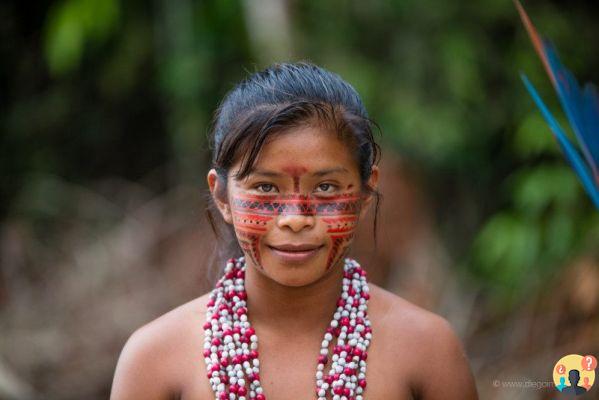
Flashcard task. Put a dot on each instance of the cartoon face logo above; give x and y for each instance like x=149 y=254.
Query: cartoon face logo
x=575 y=374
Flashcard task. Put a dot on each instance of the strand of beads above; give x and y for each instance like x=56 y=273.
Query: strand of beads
x=346 y=379
x=231 y=345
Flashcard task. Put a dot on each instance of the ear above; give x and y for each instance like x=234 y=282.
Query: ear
x=218 y=190
x=373 y=182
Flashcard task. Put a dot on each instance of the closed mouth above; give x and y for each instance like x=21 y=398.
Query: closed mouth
x=293 y=248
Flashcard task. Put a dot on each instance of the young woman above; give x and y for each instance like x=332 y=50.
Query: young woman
x=294 y=171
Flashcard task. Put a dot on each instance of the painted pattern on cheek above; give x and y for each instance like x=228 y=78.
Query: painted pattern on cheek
x=340 y=213
x=341 y=231
x=250 y=228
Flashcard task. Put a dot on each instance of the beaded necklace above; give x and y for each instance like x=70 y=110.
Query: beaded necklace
x=231 y=344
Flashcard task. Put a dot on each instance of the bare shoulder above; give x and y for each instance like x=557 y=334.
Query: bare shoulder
x=426 y=343
x=153 y=361
x=401 y=317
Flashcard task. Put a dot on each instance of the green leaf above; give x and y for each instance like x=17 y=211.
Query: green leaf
x=74 y=24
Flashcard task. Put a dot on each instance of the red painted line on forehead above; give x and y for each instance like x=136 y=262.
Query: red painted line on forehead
x=295 y=172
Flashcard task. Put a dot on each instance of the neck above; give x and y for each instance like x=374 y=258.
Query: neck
x=292 y=310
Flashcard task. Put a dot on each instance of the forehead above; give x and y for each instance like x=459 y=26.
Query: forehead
x=305 y=149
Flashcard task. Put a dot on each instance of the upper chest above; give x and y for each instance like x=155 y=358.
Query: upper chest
x=288 y=369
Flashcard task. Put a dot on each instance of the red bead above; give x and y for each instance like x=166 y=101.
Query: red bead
x=260 y=396
x=242 y=391
x=216 y=341
x=207 y=352
x=362 y=383
x=253 y=354
x=322 y=359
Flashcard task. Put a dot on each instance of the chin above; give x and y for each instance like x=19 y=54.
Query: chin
x=295 y=274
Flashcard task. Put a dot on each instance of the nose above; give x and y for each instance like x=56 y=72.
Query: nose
x=296 y=222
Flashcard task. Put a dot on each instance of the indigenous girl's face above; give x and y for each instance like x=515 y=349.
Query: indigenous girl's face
x=296 y=213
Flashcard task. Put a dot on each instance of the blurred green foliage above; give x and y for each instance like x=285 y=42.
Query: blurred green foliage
x=97 y=88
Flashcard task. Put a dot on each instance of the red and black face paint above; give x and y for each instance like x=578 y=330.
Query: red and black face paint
x=252 y=213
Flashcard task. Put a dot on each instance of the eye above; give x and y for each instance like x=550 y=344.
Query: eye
x=327 y=187
x=265 y=187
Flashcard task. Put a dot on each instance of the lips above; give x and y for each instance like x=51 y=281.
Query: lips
x=295 y=253
x=296 y=247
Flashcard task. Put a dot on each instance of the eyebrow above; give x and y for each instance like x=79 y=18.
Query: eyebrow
x=323 y=172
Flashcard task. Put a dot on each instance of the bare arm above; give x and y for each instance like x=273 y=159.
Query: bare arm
x=445 y=373
x=139 y=373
